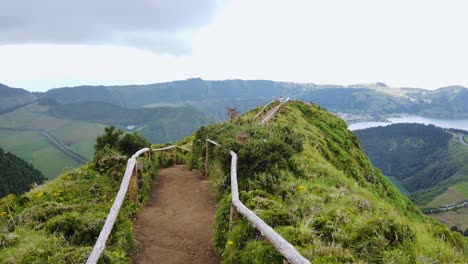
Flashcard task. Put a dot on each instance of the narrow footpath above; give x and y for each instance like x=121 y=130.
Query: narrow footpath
x=177 y=224
x=463 y=141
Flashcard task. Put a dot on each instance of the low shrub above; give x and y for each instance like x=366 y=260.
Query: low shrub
x=76 y=228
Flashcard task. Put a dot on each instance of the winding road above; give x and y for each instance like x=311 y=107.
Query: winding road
x=59 y=144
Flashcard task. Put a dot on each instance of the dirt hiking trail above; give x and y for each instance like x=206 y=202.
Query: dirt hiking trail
x=177 y=224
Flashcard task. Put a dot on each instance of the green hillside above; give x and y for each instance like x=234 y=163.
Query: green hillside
x=59 y=222
x=12 y=98
x=77 y=125
x=305 y=174
x=34 y=148
x=16 y=175
x=425 y=159
x=159 y=124
x=212 y=97
x=38 y=151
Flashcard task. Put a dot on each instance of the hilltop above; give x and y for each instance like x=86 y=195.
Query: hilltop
x=303 y=172
x=306 y=175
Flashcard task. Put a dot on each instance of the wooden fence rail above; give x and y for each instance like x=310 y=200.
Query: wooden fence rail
x=284 y=247
x=263 y=109
x=114 y=211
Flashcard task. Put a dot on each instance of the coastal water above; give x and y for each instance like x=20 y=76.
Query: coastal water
x=444 y=123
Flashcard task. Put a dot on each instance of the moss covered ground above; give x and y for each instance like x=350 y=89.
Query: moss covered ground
x=305 y=174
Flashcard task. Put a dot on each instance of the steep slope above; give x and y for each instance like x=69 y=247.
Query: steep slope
x=16 y=175
x=305 y=174
x=425 y=160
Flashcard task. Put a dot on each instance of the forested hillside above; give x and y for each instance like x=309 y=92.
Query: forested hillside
x=423 y=160
x=16 y=175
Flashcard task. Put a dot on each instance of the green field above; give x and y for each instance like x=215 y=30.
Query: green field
x=453 y=218
x=77 y=135
x=462 y=188
x=37 y=150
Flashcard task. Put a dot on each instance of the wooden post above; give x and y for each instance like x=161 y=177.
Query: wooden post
x=233 y=216
x=207 y=161
x=174 y=156
x=134 y=184
x=148 y=155
x=161 y=158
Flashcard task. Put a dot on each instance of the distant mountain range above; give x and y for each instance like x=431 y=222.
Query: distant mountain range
x=169 y=111
x=212 y=97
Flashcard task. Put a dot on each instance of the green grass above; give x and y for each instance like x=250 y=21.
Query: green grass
x=77 y=135
x=399 y=185
x=37 y=150
x=326 y=199
x=59 y=222
x=453 y=218
x=462 y=188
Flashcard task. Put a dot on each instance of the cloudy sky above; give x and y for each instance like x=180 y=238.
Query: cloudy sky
x=55 y=43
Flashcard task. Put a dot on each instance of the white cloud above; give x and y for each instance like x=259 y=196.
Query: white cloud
x=402 y=43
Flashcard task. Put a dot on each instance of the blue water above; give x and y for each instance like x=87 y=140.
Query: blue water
x=444 y=123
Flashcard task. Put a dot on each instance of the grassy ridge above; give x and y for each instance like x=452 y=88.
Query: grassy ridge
x=60 y=221
x=306 y=176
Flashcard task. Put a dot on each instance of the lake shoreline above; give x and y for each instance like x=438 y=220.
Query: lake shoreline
x=457 y=123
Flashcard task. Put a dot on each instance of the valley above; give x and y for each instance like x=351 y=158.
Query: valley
x=427 y=163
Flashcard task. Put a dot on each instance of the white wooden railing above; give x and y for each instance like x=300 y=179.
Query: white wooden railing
x=114 y=211
x=263 y=109
x=284 y=247
x=127 y=180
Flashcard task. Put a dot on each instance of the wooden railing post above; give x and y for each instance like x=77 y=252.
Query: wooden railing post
x=161 y=158
x=174 y=155
x=207 y=161
x=233 y=216
x=134 y=184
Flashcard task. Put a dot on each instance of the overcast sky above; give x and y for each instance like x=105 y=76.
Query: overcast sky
x=55 y=43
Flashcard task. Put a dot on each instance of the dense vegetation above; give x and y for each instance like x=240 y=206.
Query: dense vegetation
x=305 y=175
x=16 y=175
x=422 y=158
x=60 y=221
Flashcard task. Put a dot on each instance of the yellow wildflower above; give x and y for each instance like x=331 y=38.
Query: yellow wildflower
x=229 y=243
x=39 y=194
x=302 y=188
x=3 y=213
